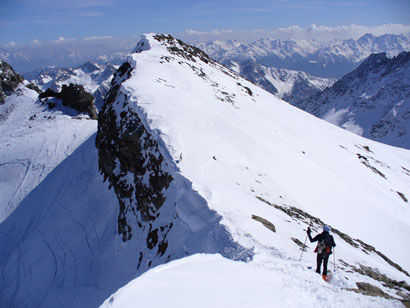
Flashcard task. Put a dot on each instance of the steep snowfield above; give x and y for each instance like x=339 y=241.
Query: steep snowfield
x=236 y=171
x=33 y=141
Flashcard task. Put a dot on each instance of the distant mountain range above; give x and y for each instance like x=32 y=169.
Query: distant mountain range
x=35 y=57
x=292 y=86
x=323 y=59
x=372 y=101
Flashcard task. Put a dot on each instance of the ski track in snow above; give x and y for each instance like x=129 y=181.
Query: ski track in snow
x=37 y=139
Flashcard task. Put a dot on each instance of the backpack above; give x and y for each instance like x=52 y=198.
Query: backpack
x=325 y=244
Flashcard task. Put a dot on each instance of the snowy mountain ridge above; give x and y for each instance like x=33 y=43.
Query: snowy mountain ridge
x=196 y=159
x=372 y=101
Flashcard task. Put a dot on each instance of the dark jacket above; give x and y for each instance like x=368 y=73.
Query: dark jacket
x=323 y=236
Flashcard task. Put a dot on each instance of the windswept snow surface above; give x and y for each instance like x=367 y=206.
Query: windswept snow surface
x=212 y=281
x=33 y=141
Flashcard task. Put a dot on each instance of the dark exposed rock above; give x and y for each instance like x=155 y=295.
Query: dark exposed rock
x=369 y=289
x=48 y=93
x=186 y=51
x=190 y=53
x=300 y=244
x=403 y=196
x=249 y=91
x=130 y=159
x=265 y=222
x=74 y=96
x=364 y=160
x=32 y=86
x=9 y=81
x=2 y=96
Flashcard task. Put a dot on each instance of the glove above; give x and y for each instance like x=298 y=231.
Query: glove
x=308 y=230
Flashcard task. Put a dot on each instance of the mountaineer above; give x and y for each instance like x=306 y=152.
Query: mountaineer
x=323 y=249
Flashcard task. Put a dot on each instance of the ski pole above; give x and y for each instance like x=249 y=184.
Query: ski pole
x=334 y=262
x=304 y=245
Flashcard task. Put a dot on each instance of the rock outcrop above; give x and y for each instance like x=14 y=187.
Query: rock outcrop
x=74 y=96
x=9 y=80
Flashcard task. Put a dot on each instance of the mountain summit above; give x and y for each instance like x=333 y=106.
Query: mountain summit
x=191 y=158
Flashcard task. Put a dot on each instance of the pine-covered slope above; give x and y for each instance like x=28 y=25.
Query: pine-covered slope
x=196 y=159
x=372 y=101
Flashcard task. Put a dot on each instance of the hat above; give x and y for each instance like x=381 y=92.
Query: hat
x=326 y=228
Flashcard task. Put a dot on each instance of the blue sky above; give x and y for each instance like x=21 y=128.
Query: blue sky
x=45 y=20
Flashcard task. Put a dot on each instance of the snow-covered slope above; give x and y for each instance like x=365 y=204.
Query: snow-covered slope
x=33 y=141
x=323 y=59
x=372 y=101
x=197 y=159
x=212 y=281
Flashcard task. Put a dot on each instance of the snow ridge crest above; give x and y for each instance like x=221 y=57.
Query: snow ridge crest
x=157 y=206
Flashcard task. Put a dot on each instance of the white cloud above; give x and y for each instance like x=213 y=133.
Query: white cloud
x=321 y=33
x=11 y=44
x=91 y=38
x=62 y=40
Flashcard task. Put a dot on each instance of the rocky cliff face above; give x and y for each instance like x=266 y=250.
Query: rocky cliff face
x=372 y=101
x=73 y=96
x=130 y=159
x=9 y=80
